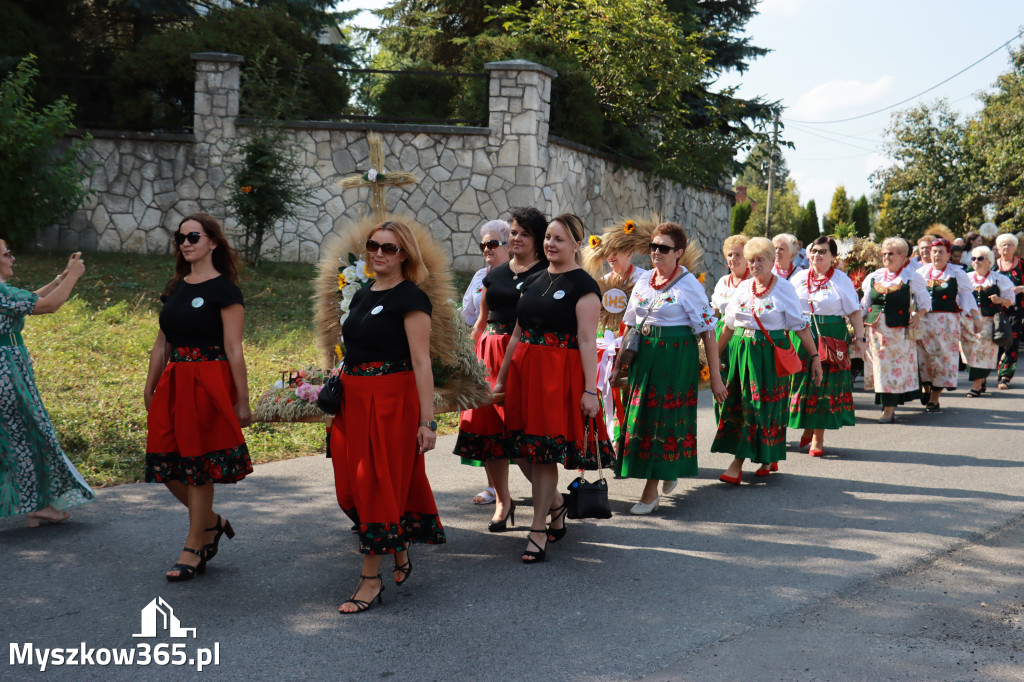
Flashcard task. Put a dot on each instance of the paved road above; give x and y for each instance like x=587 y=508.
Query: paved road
x=896 y=556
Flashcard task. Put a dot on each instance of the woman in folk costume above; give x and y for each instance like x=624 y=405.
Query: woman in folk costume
x=759 y=317
x=1011 y=265
x=888 y=294
x=827 y=297
x=938 y=349
x=993 y=292
x=786 y=247
x=671 y=308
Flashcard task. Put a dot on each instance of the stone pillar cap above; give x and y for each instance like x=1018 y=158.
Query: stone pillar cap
x=216 y=57
x=520 y=65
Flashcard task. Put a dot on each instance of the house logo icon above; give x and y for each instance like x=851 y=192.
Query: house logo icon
x=158 y=616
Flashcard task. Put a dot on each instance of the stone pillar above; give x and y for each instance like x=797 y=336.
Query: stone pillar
x=218 y=78
x=520 y=112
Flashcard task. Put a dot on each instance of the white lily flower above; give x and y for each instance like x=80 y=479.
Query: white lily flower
x=372 y=175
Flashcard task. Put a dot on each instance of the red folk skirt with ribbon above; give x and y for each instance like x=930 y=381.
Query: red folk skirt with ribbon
x=482 y=429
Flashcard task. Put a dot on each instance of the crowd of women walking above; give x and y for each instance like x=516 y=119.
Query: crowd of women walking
x=773 y=343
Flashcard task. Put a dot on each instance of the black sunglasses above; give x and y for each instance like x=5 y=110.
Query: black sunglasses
x=977 y=258
x=492 y=244
x=192 y=237
x=662 y=248
x=389 y=249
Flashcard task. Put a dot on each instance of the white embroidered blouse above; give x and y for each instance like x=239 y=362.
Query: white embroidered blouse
x=778 y=309
x=684 y=304
x=918 y=289
x=964 y=286
x=837 y=296
x=471 y=299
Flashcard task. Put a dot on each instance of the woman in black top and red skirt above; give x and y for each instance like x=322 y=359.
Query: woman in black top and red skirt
x=197 y=392
x=482 y=430
x=549 y=375
x=387 y=413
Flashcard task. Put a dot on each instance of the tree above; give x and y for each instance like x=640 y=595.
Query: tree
x=41 y=178
x=838 y=212
x=756 y=166
x=807 y=226
x=739 y=218
x=932 y=177
x=785 y=210
x=860 y=214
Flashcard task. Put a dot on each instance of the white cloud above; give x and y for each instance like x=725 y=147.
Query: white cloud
x=786 y=8
x=875 y=162
x=837 y=99
x=819 y=189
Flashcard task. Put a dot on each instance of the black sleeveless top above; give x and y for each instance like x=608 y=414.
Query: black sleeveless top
x=549 y=301
x=504 y=289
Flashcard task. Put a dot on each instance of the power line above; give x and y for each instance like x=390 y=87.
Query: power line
x=910 y=99
x=809 y=130
x=837 y=141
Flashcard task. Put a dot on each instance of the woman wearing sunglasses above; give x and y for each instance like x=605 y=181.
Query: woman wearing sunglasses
x=759 y=317
x=551 y=371
x=827 y=297
x=387 y=413
x=482 y=431
x=938 y=349
x=36 y=477
x=659 y=434
x=993 y=291
x=197 y=393
x=1012 y=266
x=494 y=247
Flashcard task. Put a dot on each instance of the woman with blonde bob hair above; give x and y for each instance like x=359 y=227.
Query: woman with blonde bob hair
x=755 y=413
x=994 y=292
x=387 y=412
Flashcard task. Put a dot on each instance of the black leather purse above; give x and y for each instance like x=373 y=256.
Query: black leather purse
x=329 y=398
x=1002 y=330
x=585 y=499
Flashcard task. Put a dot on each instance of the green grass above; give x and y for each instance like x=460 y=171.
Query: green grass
x=92 y=355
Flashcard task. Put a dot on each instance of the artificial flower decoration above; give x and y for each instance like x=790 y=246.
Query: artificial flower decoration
x=595 y=241
x=705 y=373
x=701 y=277
x=353 y=275
x=629 y=227
x=245 y=189
x=372 y=175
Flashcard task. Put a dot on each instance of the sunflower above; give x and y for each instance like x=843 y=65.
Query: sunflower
x=705 y=373
x=595 y=241
x=629 y=227
x=701 y=276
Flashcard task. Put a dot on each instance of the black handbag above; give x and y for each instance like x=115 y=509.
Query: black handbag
x=1002 y=330
x=585 y=499
x=329 y=398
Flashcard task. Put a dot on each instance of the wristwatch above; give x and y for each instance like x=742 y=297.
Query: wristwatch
x=432 y=425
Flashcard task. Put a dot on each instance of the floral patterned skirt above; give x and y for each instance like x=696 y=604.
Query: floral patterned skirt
x=482 y=429
x=542 y=405
x=754 y=415
x=938 y=349
x=978 y=350
x=193 y=434
x=379 y=474
x=830 y=405
x=659 y=438
x=893 y=362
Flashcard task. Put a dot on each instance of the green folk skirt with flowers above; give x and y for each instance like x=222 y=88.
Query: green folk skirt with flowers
x=659 y=429
x=755 y=413
x=830 y=405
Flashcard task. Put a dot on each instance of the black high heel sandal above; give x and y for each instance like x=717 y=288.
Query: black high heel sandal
x=405 y=569
x=359 y=603
x=187 y=571
x=502 y=526
x=222 y=529
x=558 y=513
x=540 y=554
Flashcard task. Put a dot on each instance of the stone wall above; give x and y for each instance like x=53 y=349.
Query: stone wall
x=145 y=184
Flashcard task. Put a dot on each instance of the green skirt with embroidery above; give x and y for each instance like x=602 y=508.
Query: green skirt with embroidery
x=659 y=433
x=830 y=405
x=755 y=413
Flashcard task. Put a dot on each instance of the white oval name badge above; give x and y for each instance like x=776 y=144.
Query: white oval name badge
x=198 y=302
x=377 y=310
x=559 y=294
x=614 y=300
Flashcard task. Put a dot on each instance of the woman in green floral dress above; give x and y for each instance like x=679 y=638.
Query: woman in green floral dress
x=36 y=477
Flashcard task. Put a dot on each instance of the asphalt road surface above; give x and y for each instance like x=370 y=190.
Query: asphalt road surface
x=898 y=555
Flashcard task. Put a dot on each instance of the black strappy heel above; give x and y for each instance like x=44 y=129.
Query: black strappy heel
x=405 y=569
x=540 y=554
x=222 y=529
x=502 y=526
x=359 y=603
x=558 y=513
x=187 y=571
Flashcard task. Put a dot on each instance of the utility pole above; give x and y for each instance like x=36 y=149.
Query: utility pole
x=773 y=156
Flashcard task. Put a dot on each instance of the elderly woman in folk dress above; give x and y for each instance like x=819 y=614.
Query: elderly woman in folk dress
x=886 y=302
x=828 y=296
x=494 y=247
x=992 y=291
x=758 y=318
x=659 y=440
x=1009 y=264
x=938 y=349
x=786 y=247
x=732 y=248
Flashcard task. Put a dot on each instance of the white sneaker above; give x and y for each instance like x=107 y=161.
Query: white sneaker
x=641 y=509
x=668 y=486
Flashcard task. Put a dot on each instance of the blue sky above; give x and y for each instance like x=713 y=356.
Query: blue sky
x=833 y=59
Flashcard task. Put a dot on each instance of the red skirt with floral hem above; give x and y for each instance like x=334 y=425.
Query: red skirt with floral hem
x=193 y=434
x=379 y=475
x=542 y=404
x=482 y=429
